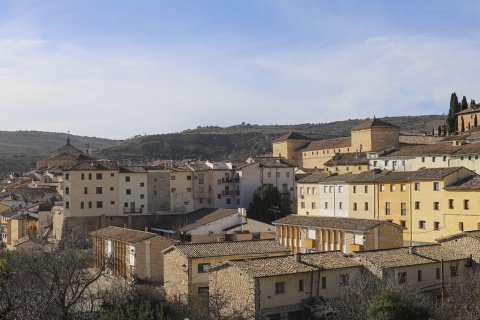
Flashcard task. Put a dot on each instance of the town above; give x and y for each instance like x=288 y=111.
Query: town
x=397 y=208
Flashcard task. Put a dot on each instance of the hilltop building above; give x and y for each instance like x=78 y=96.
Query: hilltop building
x=66 y=155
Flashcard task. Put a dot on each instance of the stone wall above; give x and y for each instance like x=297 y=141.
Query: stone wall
x=389 y=236
x=467 y=245
x=157 y=245
x=176 y=277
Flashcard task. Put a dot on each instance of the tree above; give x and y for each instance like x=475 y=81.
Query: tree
x=475 y=121
x=463 y=126
x=266 y=198
x=472 y=103
x=451 y=120
x=464 y=104
x=391 y=305
x=439 y=131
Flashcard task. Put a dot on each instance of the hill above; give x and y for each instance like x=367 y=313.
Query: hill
x=238 y=142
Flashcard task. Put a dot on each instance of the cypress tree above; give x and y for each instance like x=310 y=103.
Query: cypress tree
x=451 y=121
x=472 y=102
x=475 y=123
x=439 y=131
x=464 y=104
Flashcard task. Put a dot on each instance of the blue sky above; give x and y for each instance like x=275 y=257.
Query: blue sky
x=120 y=68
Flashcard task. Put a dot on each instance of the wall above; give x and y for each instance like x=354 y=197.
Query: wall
x=176 y=277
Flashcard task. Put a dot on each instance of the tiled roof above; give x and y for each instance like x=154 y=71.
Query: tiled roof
x=416 y=139
x=95 y=165
x=234 y=248
x=291 y=136
x=469 y=148
x=473 y=234
x=207 y=215
x=473 y=109
x=400 y=257
x=284 y=265
x=349 y=224
x=345 y=159
x=123 y=234
x=373 y=123
x=424 y=150
x=276 y=162
x=469 y=183
x=132 y=169
x=433 y=173
x=34 y=195
x=338 y=178
x=368 y=176
x=326 y=144
x=314 y=177
x=396 y=176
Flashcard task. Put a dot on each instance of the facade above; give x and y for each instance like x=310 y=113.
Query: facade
x=278 y=287
x=130 y=253
x=334 y=193
x=467 y=119
x=308 y=196
x=318 y=234
x=186 y=265
x=132 y=186
x=347 y=162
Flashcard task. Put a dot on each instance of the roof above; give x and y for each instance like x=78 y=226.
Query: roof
x=314 y=177
x=132 y=169
x=472 y=109
x=349 y=224
x=396 y=176
x=368 y=176
x=284 y=265
x=345 y=159
x=434 y=173
x=338 y=178
x=469 y=183
x=272 y=162
x=373 y=123
x=123 y=234
x=472 y=234
x=326 y=144
x=291 y=136
x=400 y=257
x=234 y=248
x=95 y=165
x=424 y=150
x=206 y=216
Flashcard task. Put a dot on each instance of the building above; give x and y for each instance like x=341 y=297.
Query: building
x=308 y=194
x=66 y=155
x=130 y=253
x=467 y=242
x=354 y=162
x=186 y=265
x=279 y=287
x=318 y=234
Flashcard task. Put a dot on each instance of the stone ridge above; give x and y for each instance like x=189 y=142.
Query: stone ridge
x=400 y=257
x=234 y=248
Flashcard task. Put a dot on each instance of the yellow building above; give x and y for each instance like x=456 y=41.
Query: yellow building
x=308 y=196
x=347 y=163
x=468 y=117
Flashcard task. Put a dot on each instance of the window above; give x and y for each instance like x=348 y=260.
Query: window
x=278 y=174
x=340 y=205
x=269 y=174
x=421 y=224
x=331 y=189
x=416 y=186
x=324 y=282
x=89 y=204
x=444 y=158
x=112 y=174
x=340 y=189
x=437 y=273
x=423 y=159
x=308 y=190
x=382 y=188
x=394 y=164
x=387 y=208
x=67 y=176
x=111 y=188
x=354 y=206
x=300 y=285
x=142 y=196
x=314 y=190
x=314 y=205
x=98 y=176
x=219 y=196
x=82 y=205
x=466 y=204
x=67 y=190
x=203 y=267
x=343 y=281
x=436 y=186
x=386 y=163
x=190 y=177
x=419 y=276
x=98 y=190
x=127 y=179
x=161 y=191
x=366 y=189
x=450 y=204
x=129 y=191
x=354 y=189
x=403 y=187
x=325 y=189
x=67 y=204
x=433 y=159
x=112 y=202
x=287 y=174
x=402 y=277
x=173 y=190
x=392 y=188
x=99 y=204
x=301 y=190
x=279 y=287
x=142 y=184
x=89 y=176
x=436 y=225
x=125 y=204
x=189 y=189
x=366 y=205
x=403 y=223
x=417 y=205
x=403 y=208
x=302 y=205
x=436 y=206
x=172 y=178
x=326 y=205
x=200 y=200
x=161 y=179
x=82 y=176
x=460 y=226
x=454 y=271
x=85 y=190
x=185 y=203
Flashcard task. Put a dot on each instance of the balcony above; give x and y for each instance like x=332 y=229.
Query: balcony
x=133 y=210
x=227 y=193
x=230 y=180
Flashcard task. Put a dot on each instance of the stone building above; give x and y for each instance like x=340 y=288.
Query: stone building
x=186 y=265
x=312 y=234
x=132 y=252
x=467 y=242
x=66 y=155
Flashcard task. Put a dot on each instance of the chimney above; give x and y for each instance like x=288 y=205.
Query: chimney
x=298 y=257
x=412 y=250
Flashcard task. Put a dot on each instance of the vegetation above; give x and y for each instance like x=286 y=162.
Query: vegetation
x=267 y=204
x=391 y=305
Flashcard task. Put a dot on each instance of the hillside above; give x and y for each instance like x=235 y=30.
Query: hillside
x=237 y=142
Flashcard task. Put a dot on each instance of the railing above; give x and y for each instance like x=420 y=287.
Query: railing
x=227 y=193
x=230 y=180
x=132 y=210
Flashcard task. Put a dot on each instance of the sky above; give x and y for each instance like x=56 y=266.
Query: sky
x=120 y=68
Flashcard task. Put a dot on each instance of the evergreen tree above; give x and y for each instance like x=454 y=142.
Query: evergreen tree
x=439 y=131
x=472 y=102
x=463 y=125
x=451 y=121
x=464 y=104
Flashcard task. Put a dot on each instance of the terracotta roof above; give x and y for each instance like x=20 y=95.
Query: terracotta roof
x=234 y=248
x=433 y=173
x=368 y=176
x=326 y=144
x=396 y=176
x=349 y=224
x=469 y=183
x=123 y=234
x=95 y=165
x=473 y=234
x=469 y=148
x=284 y=265
x=277 y=162
x=290 y=136
x=424 y=150
x=338 y=178
x=132 y=169
x=473 y=109
x=314 y=177
x=416 y=139
x=373 y=123
x=206 y=216
x=400 y=257
x=345 y=159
